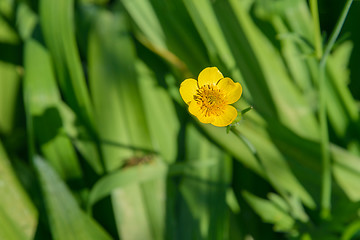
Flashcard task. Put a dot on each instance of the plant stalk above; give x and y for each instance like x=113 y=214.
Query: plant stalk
x=317 y=31
x=325 y=212
x=325 y=156
x=335 y=34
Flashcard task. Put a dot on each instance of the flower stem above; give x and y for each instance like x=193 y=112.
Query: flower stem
x=325 y=157
x=315 y=16
x=334 y=35
x=322 y=56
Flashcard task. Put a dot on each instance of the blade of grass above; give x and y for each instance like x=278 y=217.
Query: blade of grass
x=346 y=172
x=123 y=178
x=341 y=107
x=270 y=213
x=317 y=32
x=304 y=158
x=326 y=174
x=294 y=58
x=344 y=113
x=9 y=91
x=178 y=35
x=204 y=18
x=181 y=35
x=112 y=60
x=291 y=106
x=43 y=105
x=160 y=111
x=18 y=215
x=26 y=20
x=143 y=14
x=66 y=219
x=9 y=72
x=204 y=188
x=56 y=19
x=268 y=158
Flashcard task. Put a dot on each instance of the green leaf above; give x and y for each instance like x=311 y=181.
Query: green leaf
x=26 y=20
x=165 y=29
x=212 y=34
x=143 y=14
x=9 y=92
x=340 y=104
x=113 y=79
x=343 y=111
x=346 y=171
x=43 y=103
x=204 y=189
x=18 y=216
x=125 y=177
x=66 y=219
x=253 y=145
x=57 y=26
x=235 y=146
x=294 y=58
x=56 y=18
x=351 y=231
x=290 y=106
x=204 y=18
x=9 y=71
x=270 y=213
x=160 y=112
x=9 y=229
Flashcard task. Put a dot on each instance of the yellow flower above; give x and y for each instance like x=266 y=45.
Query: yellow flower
x=210 y=96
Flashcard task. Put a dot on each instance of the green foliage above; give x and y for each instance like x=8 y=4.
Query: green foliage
x=96 y=142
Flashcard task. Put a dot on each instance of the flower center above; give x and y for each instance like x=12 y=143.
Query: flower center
x=211 y=100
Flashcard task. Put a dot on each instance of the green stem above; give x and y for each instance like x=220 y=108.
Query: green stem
x=326 y=164
x=334 y=35
x=325 y=156
x=315 y=16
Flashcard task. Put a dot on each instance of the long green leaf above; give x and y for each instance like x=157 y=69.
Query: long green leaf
x=44 y=106
x=204 y=189
x=340 y=104
x=66 y=219
x=290 y=105
x=270 y=213
x=347 y=172
x=123 y=178
x=9 y=72
x=165 y=29
x=266 y=159
x=56 y=19
x=9 y=90
x=113 y=79
x=160 y=112
x=18 y=215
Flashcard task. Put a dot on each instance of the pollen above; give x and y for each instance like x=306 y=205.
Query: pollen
x=210 y=99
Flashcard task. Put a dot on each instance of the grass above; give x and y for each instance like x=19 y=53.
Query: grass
x=96 y=142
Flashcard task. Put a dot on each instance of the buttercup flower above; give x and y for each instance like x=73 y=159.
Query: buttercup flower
x=210 y=96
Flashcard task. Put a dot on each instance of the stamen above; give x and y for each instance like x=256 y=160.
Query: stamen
x=210 y=99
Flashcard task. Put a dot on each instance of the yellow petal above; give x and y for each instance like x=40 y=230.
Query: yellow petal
x=194 y=109
x=188 y=90
x=232 y=91
x=227 y=117
x=209 y=76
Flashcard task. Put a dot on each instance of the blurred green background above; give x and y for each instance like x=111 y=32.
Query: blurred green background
x=96 y=142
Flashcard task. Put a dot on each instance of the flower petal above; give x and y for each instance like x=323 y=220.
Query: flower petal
x=209 y=76
x=188 y=89
x=227 y=117
x=195 y=109
x=231 y=90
